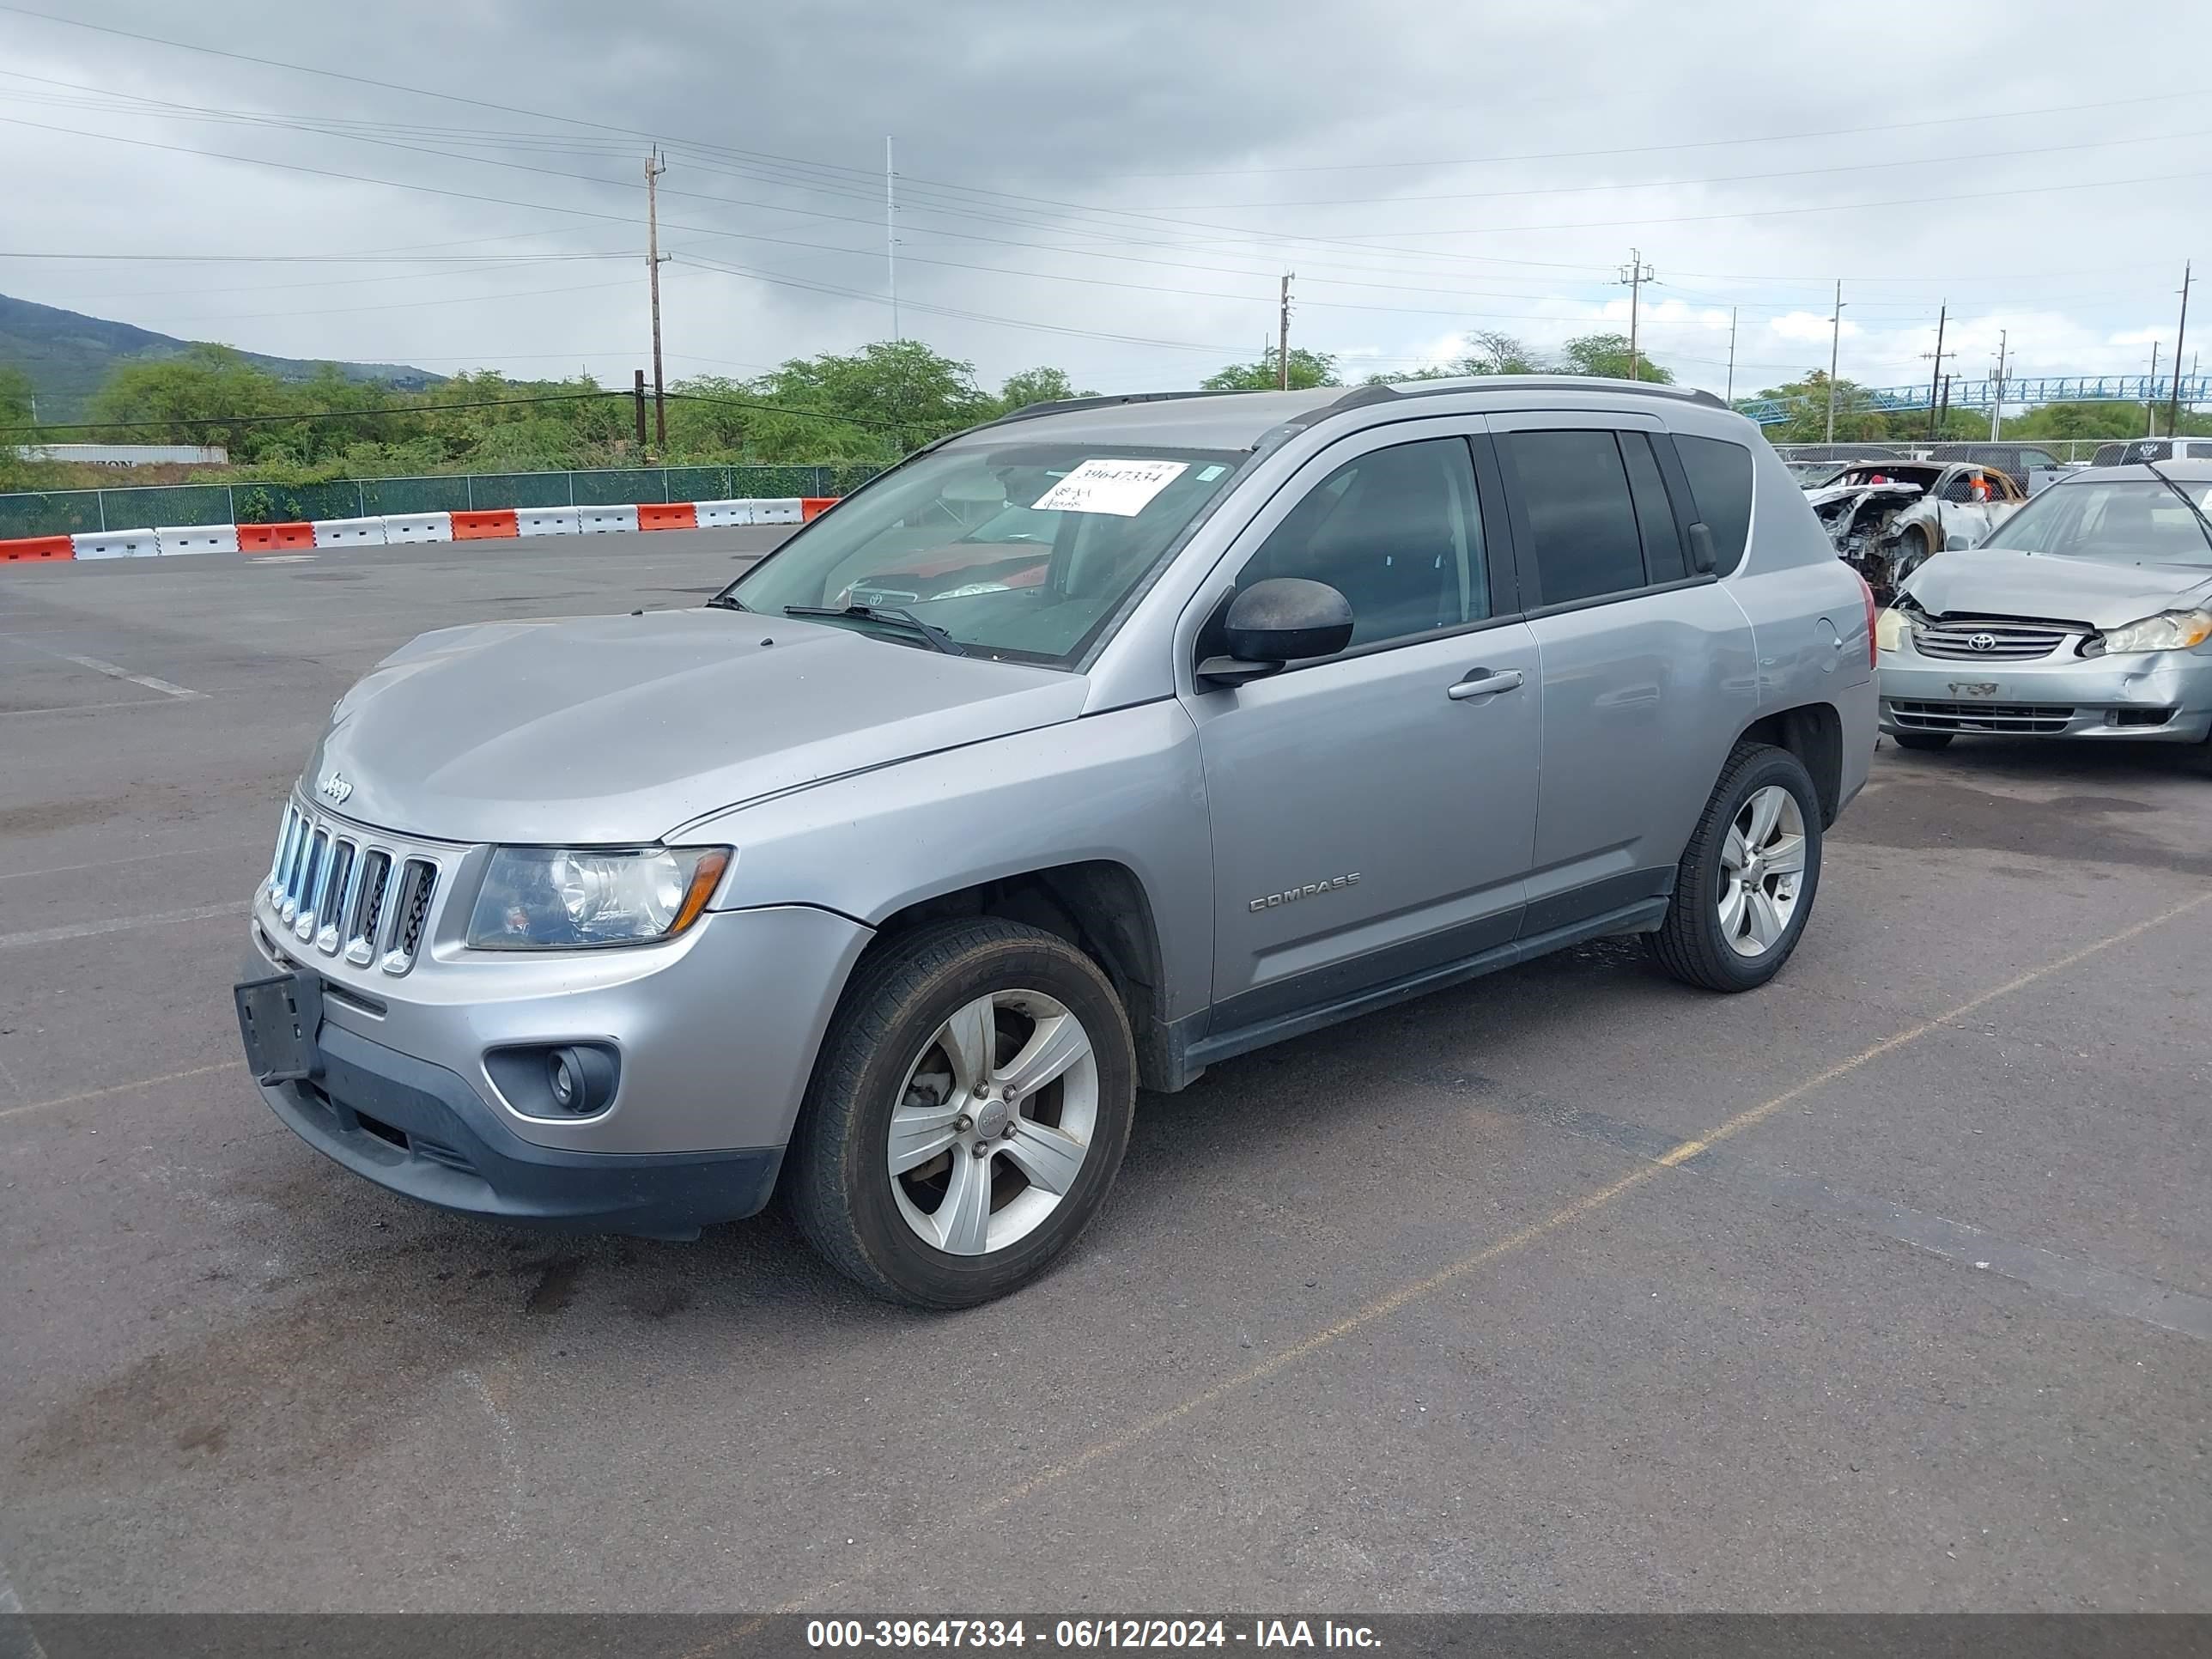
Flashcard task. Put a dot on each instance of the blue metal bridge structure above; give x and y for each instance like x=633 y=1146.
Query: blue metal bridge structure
x=1980 y=394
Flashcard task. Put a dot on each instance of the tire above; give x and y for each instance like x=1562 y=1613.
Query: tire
x=1927 y=740
x=1698 y=943
x=894 y=1049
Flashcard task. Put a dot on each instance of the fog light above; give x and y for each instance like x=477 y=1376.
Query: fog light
x=581 y=1080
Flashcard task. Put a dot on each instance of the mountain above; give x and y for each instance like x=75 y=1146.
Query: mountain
x=68 y=355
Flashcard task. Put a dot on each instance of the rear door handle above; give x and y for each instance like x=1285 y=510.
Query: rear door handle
x=1484 y=683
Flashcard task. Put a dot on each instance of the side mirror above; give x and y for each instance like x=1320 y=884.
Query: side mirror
x=1957 y=542
x=1702 y=560
x=1285 y=619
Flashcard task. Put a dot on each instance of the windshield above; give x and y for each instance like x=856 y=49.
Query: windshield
x=1024 y=550
x=2128 y=521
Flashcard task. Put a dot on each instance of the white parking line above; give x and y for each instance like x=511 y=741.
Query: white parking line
x=147 y=680
x=103 y=864
x=90 y=929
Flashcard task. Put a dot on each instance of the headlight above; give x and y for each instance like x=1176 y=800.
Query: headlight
x=557 y=898
x=2172 y=630
x=1889 y=630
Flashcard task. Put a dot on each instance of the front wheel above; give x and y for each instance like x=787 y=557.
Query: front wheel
x=1913 y=549
x=968 y=1113
x=1746 y=883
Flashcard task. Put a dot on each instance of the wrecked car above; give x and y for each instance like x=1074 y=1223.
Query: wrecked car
x=1888 y=518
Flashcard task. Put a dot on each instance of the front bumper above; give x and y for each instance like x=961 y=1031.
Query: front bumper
x=2155 y=696
x=421 y=1130
x=714 y=1033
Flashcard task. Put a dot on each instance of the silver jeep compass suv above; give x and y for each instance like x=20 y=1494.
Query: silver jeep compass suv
x=1079 y=752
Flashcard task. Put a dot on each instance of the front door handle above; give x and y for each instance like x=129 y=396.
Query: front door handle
x=1484 y=683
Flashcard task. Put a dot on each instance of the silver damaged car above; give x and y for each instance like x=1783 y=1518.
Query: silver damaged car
x=2086 y=614
x=1078 y=753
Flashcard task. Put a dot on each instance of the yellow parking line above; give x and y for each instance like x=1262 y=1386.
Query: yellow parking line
x=116 y=1089
x=1382 y=1307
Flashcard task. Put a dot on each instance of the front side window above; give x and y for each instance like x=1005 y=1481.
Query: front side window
x=1398 y=532
x=1014 y=549
x=2132 y=521
x=1581 y=516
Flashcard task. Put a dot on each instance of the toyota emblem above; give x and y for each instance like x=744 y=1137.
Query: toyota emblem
x=1980 y=642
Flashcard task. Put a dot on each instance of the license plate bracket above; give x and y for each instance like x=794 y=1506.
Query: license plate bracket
x=279 y=1018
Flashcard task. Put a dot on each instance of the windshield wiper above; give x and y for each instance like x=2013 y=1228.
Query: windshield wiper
x=725 y=602
x=2204 y=528
x=889 y=617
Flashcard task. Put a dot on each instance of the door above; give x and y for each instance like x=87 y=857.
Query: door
x=1373 y=812
x=1646 y=666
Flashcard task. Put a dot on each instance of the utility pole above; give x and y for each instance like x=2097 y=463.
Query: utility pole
x=1935 y=378
x=1283 y=339
x=890 y=233
x=654 y=167
x=2150 y=397
x=637 y=398
x=1996 y=402
x=2181 y=330
x=1635 y=273
x=1835 y=339
x=1730 y=398
x=1943 y=408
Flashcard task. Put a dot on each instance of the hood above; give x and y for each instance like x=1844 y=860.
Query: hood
x=612 y=729
x=1833 y=493
x=1995 y=581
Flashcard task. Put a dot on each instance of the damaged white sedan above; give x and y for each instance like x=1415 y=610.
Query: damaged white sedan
x=1888 y=518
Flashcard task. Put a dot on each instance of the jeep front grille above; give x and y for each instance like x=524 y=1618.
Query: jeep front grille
x=333 y=886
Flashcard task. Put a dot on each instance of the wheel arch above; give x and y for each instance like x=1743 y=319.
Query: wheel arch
x=1097 y=905
x=1813 y=732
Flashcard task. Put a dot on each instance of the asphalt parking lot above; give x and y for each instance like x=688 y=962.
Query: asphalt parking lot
x=1889 y=1287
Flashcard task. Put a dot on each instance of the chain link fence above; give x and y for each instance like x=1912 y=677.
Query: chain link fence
x=82 y=511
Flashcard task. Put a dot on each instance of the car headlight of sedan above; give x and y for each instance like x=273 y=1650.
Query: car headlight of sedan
x=564 y=898
x=1889 y=630
x=2170 y=630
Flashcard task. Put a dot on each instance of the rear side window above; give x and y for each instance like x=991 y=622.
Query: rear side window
x=1654 y=515
x=1581 y=518
x=1720 y=479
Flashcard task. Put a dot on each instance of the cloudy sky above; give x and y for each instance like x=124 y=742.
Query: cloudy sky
x=1115 y=189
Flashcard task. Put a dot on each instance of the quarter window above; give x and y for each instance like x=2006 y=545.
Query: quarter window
x=1720 y=479
x=1581 y=518
x=1398 y=532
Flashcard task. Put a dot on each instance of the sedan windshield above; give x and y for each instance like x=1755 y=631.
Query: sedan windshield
x=2126 y=520
x=1024 y=550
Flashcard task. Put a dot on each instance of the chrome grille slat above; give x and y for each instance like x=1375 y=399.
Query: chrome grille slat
x=368 y=910
x=311 y=885
x=346 y=863
x=2009 y=639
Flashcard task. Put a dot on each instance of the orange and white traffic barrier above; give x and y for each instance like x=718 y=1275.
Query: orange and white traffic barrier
x=399 y=529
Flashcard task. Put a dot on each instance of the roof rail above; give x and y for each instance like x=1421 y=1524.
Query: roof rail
x=1538 y=383
x=1062 y=405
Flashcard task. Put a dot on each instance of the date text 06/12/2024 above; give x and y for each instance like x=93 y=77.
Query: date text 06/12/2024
x=1088 y=1634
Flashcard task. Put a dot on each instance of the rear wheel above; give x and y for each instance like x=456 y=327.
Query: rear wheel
x=968 y=1113
x=1746 y=880
x=1923 y=740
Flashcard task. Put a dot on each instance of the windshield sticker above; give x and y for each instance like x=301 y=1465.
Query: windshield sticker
x=1123 y=488
x=1207 y=475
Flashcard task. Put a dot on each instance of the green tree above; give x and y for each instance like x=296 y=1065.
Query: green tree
x=16 y=397
x=1037 y=385
x=1808 y=400
x=1607 y=354
x=1308 y=369
x=872 y=404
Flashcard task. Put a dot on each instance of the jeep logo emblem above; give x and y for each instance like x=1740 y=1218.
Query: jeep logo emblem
x=335 y=788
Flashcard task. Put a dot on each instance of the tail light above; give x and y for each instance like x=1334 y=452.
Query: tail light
x=1866 y=593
